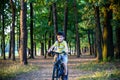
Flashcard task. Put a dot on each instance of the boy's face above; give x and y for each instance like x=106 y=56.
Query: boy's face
x=60 y=38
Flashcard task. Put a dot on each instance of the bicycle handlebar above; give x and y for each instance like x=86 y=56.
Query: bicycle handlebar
x=53 y=52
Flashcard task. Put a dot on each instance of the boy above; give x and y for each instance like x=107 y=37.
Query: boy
x=61 y=46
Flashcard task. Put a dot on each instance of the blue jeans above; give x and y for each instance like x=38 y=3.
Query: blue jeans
x=64 y=58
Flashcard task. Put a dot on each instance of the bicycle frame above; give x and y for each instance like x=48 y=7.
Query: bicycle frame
x=58 y=69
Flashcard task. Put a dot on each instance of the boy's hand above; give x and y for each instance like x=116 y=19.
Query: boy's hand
x=48 y=52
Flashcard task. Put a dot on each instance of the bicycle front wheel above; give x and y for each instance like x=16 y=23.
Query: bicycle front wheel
x=55 y=73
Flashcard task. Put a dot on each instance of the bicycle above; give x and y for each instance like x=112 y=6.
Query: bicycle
x=58 y=68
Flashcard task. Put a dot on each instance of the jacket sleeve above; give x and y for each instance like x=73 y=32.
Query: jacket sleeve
x=66 y=47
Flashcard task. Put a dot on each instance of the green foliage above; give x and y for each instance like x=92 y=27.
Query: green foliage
x=41 y=14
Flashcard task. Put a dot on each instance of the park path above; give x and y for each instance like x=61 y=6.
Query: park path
x=45 y=71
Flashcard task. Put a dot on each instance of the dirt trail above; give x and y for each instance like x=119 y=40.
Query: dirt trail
x=45 y=71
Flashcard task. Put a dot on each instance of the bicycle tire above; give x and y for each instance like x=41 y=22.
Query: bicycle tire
x=55 y=73
x=63 y=76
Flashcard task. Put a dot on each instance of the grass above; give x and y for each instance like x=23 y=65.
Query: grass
x=9 y=69
x=100 y=71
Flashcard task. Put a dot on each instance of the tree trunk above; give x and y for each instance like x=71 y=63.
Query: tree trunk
x=0 y=30
x=117 y=10
x=35 y=49
x=49 y=24
x=118 y=43
x=65 y=19
x=70 y=48
x=9 y=56
x=31 y=30
x=98 y=34
x=23 y=36
x=49 y=41
x=3 y=36
x=0 y=36
x=18 y=39
x=108 y=51
x=89 y=39
x=95 y=47
x=55 y=19
x=42 y=48
x=111 y=46
x=13 y=30
x=45 y=56
x=18 y=33
x=93 y=42
x=77 y=33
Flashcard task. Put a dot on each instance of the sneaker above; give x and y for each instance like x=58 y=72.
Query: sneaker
x=65 y=77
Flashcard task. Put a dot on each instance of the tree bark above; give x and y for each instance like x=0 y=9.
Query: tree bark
x=45 y=41
x=98 y=34
x=31 y=30
x=49 y=41
x=77 y=33
x=23 y=36
x=13 y=30
x=117 y=11
x=93 y=41
x=108 y=49
x=118 y=42
x=49 y=24
x=3 y=36
x=9 y=56
x=18 y=32
x=35 y=49
x=89 y=39
x=55 y=19
x=42 y=48
x=65 y=18
x=0 y=36
x=3 y=33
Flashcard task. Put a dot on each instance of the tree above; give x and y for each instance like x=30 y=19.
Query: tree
x=77 y=33
x=31 y=30
x=23 y=35
x=9 y=56
x=49 y=24
x=65 y=18
x=89 y=39
x=108 y=51
x=55 y=19
x=3 y=31
x=13 y=30
x=98 y=33
x=116 y=11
